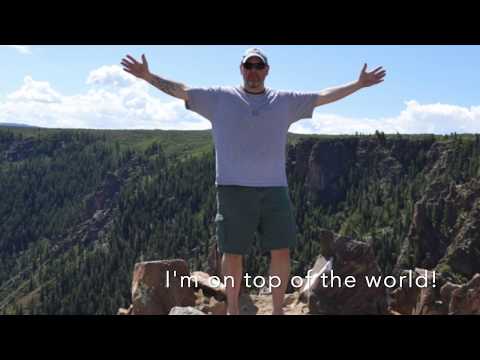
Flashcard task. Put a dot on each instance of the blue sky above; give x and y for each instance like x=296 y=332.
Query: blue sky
x=427 y=88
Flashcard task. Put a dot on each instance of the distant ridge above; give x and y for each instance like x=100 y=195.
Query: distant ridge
x=3 y=124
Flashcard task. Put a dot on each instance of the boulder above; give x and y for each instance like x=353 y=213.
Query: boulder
x=349 y=258
x=466 y=298
x=155 y=294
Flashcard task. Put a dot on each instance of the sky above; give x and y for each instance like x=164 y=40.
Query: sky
x=427 y=89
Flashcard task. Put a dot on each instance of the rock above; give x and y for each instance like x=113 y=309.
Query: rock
x=350 y=258
x=404 y=300
x=298 y=156
x=446 y=291
x=188 y=310
x=429 y=303
x=329 y=162
x=152 y=295
x=462 y=255
x=219 y=308
x=444 y=234
x=428 y=242
x=326 y=165
x=214 y=307
x=419 y=300
x=202 y=279
x=449 y=299
x=103 y=196
x=466 y=298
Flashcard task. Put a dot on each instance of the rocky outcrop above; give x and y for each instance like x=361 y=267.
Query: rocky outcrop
x=463 y=254
x=427 y=242
x=447 y=290
x=466 y=298
x=350 y=258
x=327 y=165
x=439 y=298
x=104 y=195
x=445 y=231
x=328 y=168
x=423 y=292
x=100 y=207
x=421 y=296
x=157 y=287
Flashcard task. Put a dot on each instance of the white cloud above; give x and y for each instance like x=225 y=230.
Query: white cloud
x=114 y=100
x=22 y=49
x=117 y=100
x=35 y=91
x=414 y=119
x=110 y=76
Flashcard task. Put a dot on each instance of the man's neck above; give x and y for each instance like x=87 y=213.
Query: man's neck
x=254 y=91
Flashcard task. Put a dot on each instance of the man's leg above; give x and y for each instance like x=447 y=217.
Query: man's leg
x=232 y=266
x=279 y=266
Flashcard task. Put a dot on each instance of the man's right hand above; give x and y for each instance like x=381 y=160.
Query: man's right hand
x=136 y=68
x=141 y=71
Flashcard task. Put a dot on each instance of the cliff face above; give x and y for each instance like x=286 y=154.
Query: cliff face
x=450 y=242
x=444 y=231
x=330 y=167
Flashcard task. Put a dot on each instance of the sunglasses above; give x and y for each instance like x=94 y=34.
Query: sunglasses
x=258 y=66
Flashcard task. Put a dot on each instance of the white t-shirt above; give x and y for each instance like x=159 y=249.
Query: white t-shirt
x=250 y=131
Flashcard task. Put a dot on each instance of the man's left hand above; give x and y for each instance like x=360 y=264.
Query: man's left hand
x=374 y=77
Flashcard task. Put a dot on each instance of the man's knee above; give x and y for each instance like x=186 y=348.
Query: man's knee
x=232 y=257
x=231 y=262
x=280 y=253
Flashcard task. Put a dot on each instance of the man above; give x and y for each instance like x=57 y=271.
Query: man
x=250 y=125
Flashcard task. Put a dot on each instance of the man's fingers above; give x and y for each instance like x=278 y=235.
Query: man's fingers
x=364 y=67
x=126 y=63
x=144 y=59
x=377 y=69
x=132 y=59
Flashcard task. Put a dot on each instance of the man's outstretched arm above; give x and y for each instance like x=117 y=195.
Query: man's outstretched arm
x=142 y=71
x=366 y=79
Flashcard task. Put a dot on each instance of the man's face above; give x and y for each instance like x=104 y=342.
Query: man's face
x=254 y=77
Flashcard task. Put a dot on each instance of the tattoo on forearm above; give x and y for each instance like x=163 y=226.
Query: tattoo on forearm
x=167 y=86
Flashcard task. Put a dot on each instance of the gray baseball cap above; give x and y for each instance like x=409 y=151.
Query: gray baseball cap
x=254 y=52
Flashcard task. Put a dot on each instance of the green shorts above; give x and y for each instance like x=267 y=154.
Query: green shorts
x=243 y=211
